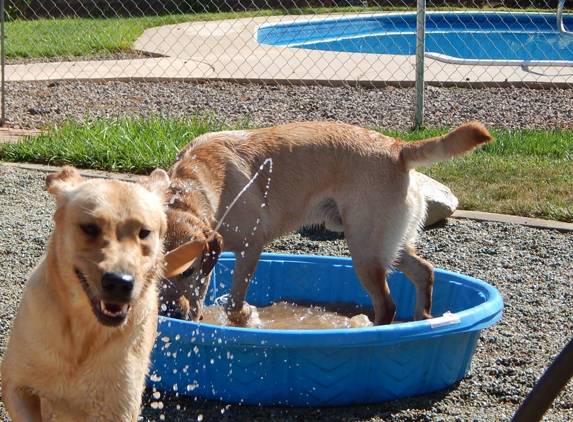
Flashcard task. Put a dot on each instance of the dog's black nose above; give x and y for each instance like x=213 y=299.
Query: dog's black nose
x=117 y=286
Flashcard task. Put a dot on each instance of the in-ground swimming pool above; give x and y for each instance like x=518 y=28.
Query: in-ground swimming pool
x=457 y=37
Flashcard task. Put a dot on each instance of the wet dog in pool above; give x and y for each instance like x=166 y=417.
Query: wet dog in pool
x=81 y=340
x=353 y=180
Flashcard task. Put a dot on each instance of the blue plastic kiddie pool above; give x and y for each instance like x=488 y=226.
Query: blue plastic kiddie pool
x=330 y=367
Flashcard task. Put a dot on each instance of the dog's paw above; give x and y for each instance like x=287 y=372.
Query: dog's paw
x=240 y=318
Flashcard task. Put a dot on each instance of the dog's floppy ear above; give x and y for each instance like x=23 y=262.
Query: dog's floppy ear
x=63 y=181
x=179 y=259
x=158 y=181
x=213 y=250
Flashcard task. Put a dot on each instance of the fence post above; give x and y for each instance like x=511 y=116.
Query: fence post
x=420 y=50
x=2 y=66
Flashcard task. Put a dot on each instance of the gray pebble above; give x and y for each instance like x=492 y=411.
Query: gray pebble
x=38 y=104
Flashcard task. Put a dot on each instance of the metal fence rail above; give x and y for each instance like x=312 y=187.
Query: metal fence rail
x=368 y=42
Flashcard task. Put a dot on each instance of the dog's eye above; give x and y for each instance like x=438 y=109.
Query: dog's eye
x=188 y=272
x=90 y=229
x=144 y=233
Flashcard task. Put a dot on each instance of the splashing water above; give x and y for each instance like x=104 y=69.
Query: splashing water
x=268 y=161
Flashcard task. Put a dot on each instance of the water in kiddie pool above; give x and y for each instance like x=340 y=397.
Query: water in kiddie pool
x=288 y=315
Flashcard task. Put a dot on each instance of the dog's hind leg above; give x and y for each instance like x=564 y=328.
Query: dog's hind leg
x=372 y=276
x=374 y=239
x=421 y=273
x=371 y=261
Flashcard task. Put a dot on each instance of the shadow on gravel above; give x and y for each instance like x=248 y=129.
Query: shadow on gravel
x=320 y=234
x=175 y=408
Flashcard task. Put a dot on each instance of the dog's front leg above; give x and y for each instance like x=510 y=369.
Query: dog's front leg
x=195 y=296
x=22 y=405
x=237 y=311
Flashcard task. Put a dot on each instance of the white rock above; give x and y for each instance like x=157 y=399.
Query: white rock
x=441 y=201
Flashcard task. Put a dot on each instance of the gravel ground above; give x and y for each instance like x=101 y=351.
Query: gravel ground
x=532 y=268
x=37 y=104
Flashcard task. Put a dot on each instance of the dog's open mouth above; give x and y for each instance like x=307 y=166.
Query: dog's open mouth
x=107 y=313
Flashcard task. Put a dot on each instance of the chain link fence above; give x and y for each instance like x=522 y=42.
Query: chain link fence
x=377 y=43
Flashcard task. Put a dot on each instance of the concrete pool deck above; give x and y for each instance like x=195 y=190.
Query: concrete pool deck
x=227 y=50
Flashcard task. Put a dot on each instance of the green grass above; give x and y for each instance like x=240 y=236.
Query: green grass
x=529 y=186
x=556 y=143
x=127 y=145
x=525 y=172
x=73 y=37
x=69 y=37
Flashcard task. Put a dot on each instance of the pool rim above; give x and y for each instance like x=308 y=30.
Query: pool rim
x=472 y=319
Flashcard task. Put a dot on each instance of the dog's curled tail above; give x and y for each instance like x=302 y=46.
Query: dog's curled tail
x=457 y=142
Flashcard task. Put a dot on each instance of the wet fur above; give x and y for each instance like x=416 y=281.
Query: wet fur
x=353 y=180
x=65 y=361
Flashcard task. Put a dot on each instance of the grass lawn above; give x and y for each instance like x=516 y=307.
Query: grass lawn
x=74 y=37
x=524 y=172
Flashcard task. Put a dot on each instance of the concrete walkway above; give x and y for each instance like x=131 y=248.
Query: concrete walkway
x=227 y=50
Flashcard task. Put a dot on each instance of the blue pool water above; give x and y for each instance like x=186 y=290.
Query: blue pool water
x=463 y=36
